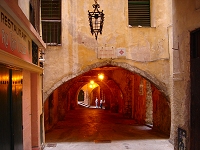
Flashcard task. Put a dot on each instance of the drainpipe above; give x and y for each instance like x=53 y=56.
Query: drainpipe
x=42 y=136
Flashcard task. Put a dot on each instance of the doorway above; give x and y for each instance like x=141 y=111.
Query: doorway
x=11 y=108
x=195 y=88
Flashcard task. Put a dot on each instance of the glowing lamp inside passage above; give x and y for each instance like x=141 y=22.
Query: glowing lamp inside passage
x=91 y=82
x=101 y=76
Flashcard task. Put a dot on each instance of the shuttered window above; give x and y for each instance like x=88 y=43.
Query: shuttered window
x=51 y=21
x=139 y=12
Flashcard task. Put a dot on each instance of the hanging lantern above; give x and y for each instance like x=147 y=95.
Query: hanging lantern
x=96 y=19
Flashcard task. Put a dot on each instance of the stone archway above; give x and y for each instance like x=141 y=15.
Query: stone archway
x=133 y=102
x=162 y=88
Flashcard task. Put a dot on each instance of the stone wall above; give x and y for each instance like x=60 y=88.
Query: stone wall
x=139 y=99
x=149 y=104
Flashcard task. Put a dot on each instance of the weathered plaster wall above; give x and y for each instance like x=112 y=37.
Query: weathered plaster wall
x=139 y=99
x=185 y=19
x=146 y=48
x=149 y=104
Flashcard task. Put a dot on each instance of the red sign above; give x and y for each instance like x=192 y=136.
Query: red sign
x=13 y=39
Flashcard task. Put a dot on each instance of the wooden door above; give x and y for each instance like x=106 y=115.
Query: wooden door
x=16 y=103
x=5 y=132
x=195 y=90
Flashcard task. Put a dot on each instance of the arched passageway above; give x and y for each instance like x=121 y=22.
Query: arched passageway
x=124 y=92
x=90 y=129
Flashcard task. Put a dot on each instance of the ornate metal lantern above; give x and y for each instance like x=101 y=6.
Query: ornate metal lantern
x=96 y=19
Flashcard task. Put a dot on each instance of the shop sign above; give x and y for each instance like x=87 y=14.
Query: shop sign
x=13 y=39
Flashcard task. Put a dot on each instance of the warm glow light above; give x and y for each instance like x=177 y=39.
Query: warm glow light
x=91 y=82
x=101 y=76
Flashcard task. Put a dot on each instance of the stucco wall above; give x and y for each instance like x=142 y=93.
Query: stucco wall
x=36 y=109
x=24 y=6
x=26 y=110
x=186 y=18
x=146 y=48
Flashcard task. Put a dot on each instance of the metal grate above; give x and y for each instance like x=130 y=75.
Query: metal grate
x=51 y=21
x=51 y=145
x=51 y=32
x=34 y=53
x=51 y=10
x=181 y=139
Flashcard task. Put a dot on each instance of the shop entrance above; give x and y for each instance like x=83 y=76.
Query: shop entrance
x=10 y=108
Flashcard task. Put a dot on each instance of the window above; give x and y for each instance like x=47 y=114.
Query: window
x=34 y=53
x=51 y=21
x=139 y=12
x=34 y=14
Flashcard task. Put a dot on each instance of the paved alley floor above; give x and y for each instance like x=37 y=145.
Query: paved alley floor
x=97 y=129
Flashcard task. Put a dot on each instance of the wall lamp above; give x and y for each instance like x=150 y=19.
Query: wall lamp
x=96 y=19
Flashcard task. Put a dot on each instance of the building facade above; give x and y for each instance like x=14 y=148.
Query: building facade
x=151 y=65
x=21 y=77
x=158 y=51
x=131 y=55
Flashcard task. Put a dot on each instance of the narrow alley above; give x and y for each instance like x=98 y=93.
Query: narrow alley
x=140 y=59
x=95 y=129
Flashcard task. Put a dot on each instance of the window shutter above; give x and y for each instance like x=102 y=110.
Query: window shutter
x=139 y=13
x=51 y=32
x=51 y=10
x=51 y=21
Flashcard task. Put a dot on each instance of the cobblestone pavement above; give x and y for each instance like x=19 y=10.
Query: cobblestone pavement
x=97 y=129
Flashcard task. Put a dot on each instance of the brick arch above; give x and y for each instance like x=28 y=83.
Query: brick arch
x=162 y=88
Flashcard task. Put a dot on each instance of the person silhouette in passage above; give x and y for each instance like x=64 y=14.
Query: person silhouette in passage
x=101 y=103
x=96 y=101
